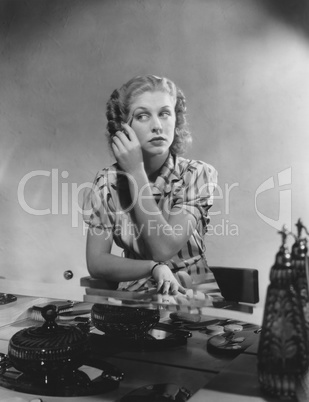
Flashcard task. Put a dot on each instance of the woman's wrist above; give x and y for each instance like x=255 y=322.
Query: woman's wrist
x=156 y=264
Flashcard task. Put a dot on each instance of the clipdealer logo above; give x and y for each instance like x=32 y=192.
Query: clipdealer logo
x=69 y=198
x=285 y=200
x=71 y=193
x=66 y=206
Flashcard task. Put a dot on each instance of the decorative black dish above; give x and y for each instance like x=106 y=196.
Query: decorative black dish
x=136 y=328
x=124 y=322
x=46 y=360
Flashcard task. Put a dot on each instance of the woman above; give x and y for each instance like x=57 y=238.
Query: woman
x=152 y=202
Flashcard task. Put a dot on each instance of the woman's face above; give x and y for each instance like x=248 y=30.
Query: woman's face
x=153 y=120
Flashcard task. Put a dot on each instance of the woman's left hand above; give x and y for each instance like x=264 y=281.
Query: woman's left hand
x=127 y=150
x=166 y=281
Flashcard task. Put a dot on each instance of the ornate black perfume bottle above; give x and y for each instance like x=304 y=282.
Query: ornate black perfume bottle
x=283 y=349
x=299 y=261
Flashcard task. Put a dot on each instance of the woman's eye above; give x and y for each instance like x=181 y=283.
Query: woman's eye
x=142 y=117
x=165 y=114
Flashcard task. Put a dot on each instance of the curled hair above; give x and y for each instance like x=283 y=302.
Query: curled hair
x=119 y=103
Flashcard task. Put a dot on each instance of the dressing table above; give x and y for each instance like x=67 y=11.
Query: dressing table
x=190 y=364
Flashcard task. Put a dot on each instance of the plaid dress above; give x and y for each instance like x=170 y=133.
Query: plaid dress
x=182 y=184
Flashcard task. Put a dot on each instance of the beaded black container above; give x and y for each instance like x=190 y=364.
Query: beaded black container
x=45 y=360
x=124 y=322
x=48 y=349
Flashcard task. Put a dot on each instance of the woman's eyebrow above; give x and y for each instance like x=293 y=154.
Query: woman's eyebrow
x=144 y=108
x=140 y=107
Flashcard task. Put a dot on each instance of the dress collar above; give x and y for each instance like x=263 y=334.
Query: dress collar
x=169 y=172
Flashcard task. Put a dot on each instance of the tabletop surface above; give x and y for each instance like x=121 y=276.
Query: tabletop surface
x=207 y=375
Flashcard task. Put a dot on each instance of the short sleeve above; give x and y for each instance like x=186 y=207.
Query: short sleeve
x=96 y=204
x=196 y=196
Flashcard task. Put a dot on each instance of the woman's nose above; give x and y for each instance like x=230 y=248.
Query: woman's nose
x=156 y=126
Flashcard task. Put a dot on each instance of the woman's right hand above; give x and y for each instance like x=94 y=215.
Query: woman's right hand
x=127 y=150
x=166 y=281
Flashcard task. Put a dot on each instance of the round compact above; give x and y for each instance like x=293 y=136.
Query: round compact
x=214 y=329
x=233 y=328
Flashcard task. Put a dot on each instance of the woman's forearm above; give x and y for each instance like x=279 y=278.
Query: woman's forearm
x=162 y=238
x=118 y=269
x=102 y=264
x=113 y=269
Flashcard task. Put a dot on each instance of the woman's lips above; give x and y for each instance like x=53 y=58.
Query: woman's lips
x=157 y=139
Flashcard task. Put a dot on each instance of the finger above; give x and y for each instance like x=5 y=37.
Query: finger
x=159 y=286
x=166 y=287
x=182 y=290
x=185 y=279
x=119 y=144
x=122 y=136
x=174 y=288
x=115 y=149
x=130 y=132
x=130 y=119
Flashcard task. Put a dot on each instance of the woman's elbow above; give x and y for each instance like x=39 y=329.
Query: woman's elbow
x=163 y=253
x=103 y=281
x=94 y=272
x=94 y=269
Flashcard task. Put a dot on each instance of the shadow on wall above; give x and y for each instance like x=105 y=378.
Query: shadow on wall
x=38 y=14
x=292 y=12
x=33 y=17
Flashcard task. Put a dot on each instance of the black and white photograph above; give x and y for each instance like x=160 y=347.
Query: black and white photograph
x=154 y=200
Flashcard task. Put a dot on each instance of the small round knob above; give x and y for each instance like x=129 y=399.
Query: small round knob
x=49 y=313
x=68 y=274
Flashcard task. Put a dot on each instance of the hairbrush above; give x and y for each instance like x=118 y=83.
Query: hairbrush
x=74 y=314
x=61 y=305
x=66 y=311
